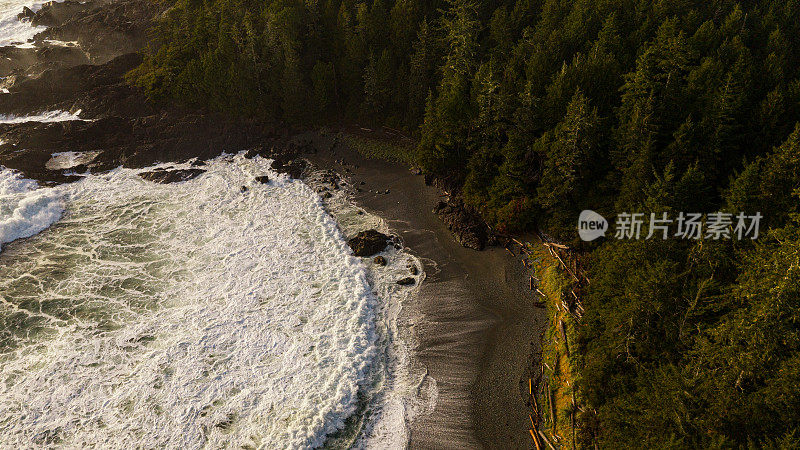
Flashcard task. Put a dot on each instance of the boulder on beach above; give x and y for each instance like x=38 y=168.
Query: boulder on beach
x=465 y=224
x=407 y=281
x=369 y=242
x=164 y=176
x=294 y=168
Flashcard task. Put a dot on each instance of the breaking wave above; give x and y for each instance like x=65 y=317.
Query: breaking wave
x=213 y=312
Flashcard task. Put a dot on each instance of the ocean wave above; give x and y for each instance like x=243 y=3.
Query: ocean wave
x=25 y=209
x=47 y=116
x=14 y=31
x=214 y=312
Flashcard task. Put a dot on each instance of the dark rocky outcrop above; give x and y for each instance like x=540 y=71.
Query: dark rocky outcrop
x=292 y=167
x=407 y=281
x=369 y=242
x=466 y=225
x=56 y=13
x=27 y=14
x=263 y=179
x=130 y=142
x=17 y=63
x=98 y=90
x=102 y=29
x=379 y=260
x=78 y=33
x=164 y=176
x=117 y=119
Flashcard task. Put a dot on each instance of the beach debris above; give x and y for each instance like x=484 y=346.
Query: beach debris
x=379 y=260
x=407 y=281
x=563 y=329
x=368 y=242
x=535 y=441
x=546 y=441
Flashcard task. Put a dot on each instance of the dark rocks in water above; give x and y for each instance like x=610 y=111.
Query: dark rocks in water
x=330 y=178
x=80 y=168
x=131 y=142
x=326 y=195
x=369 y=242
x=294 y=167
x=263 y=179
x=407 y=281
x=26 y=14
x=252 y=153
x=225 y=424
x=466 y=225
x=103 y=29
x=243 y=189
x=96 y=89
x=170 y=176
x=413 y=269
x=259 y=150
x=55 y=13
x=379 y=260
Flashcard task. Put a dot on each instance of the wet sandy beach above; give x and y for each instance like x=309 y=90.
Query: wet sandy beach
x=474 y=323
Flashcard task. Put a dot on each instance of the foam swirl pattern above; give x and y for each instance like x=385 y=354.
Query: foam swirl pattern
x=185 y=315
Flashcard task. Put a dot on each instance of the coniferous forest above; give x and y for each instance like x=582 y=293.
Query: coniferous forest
x=537 y=109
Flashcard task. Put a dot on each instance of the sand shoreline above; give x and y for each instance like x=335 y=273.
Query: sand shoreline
x=474 y=323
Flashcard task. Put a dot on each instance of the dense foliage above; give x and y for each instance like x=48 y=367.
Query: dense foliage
x=537 y=109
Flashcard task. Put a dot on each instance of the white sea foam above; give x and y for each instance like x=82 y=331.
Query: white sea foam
x=58 y=43
x=68 y=160
x=404 y=390
x=47 y=116
x=12 y=30
x=187 y=315
x=25 y=209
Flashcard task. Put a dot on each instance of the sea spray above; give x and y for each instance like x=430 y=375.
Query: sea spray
x=14 y=31
x=43 y=117
x=25 y=209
